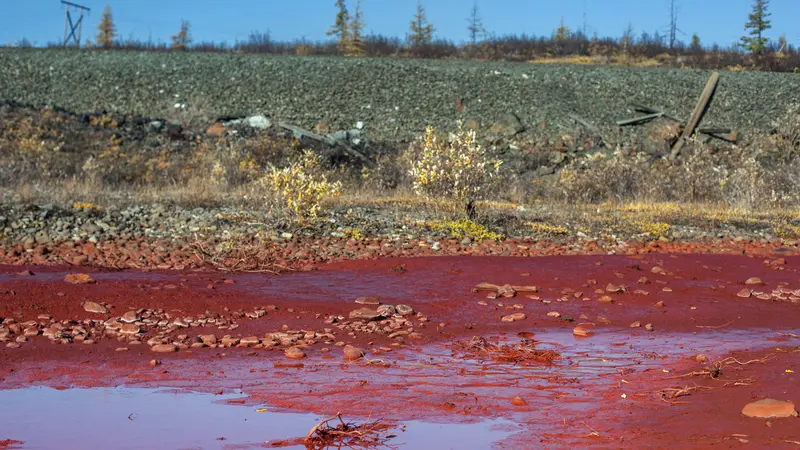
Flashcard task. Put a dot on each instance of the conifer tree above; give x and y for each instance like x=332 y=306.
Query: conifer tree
x=106 y=31
x=758 y=23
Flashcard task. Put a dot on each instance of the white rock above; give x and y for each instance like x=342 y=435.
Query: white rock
x=260 y=122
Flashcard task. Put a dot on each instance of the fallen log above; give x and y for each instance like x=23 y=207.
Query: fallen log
x=592 y=129
x=696 y=116
x=640 y=119
x=327 y=139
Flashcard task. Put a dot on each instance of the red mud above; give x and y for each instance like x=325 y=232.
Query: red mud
x=604 y=391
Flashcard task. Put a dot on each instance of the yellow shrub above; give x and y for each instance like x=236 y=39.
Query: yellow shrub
x=463 y=228
x=300 y=188
x=546 y=228
x=458 y=168
x=654 y=229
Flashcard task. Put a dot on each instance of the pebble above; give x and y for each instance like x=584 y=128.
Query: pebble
x=745 y=293
x=769 y=409
x=96 y=308
x=753 y=281
x=553 y=314
x=129 y=317
x=649 y=327
x=365 y=314
x=513 y=317
x=636 y=324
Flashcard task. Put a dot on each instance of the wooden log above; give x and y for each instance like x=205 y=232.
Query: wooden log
x=326 y=139
x=697 y=114
x=648 y=110
x=590 y=127
x=640 y=119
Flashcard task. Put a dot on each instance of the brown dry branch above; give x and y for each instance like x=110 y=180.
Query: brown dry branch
x=716 y=326
x=742 y=382
x=254 y=257
x=715 y=369
x=368 y=435
x=523 y=353
x=668 y=394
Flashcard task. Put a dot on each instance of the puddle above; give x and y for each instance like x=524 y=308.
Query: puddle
x=133 y=418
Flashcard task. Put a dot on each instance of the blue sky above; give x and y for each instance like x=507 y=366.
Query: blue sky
x=720 y=21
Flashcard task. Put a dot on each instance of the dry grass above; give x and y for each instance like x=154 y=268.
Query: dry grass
x=523 y=353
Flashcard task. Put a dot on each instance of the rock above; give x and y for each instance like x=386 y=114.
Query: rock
x=129 y=317
x=129 y=328
x=506 y=291
x=518 y=401
x=294 y=353
x=155 y=126
x=228 y=341
x=658 y=270
x=745 y=293
x=208 y=339
x=553 y=314
x=164 y=348
x=96 y=308
x=513 y=317
x=701 y=358
x=365 y=314
x=636 y=324
x=25 y=273
x=179 y=322
x=216 y=130
x=78 y=278
x=368 y=301
x=605 y=299
x=352 y=353
x=386 y=310
x=258 y=122
x=753 y=281
x=250 y=340
x=649 y=327
x=582 y=331
x=769 y=409
x=155 y=362
x=508 y=126
x=404 y=310
x=615 y=289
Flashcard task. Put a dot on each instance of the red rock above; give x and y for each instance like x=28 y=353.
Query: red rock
x=745 y=293
x=164 y=348
x=96 y=308
x=352 y=353
x=518 y=401
x=753 y=281
x=79 y=278
x=769 y=409
x=294 y=353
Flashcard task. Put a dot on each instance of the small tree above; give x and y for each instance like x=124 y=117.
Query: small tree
x=421 y=32
x=695 y=45
x=562 y=32
x=106 y=31
x=356 y=46
x=627 y=40
x=756 y=43
x=341 y=27
x=475 y=26
x=182 y=40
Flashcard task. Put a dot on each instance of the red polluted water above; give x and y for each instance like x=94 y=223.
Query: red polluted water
x=672 y=348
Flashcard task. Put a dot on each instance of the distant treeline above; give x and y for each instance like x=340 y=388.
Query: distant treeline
x=645 y=50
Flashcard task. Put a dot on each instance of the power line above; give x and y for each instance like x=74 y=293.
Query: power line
x=74 y=28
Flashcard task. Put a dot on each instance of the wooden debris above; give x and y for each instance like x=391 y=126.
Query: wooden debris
x=593 y=129
x=697 y=114
x=640 y=119
x=327 y=139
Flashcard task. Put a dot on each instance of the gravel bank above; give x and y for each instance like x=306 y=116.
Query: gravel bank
x=395 y=98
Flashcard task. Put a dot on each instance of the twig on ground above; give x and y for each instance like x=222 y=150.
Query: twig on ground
x=716 y=326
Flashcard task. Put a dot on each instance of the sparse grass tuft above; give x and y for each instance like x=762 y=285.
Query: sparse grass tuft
x=463 y=228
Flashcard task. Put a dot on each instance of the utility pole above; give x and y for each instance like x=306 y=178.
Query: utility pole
x=75 y=27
